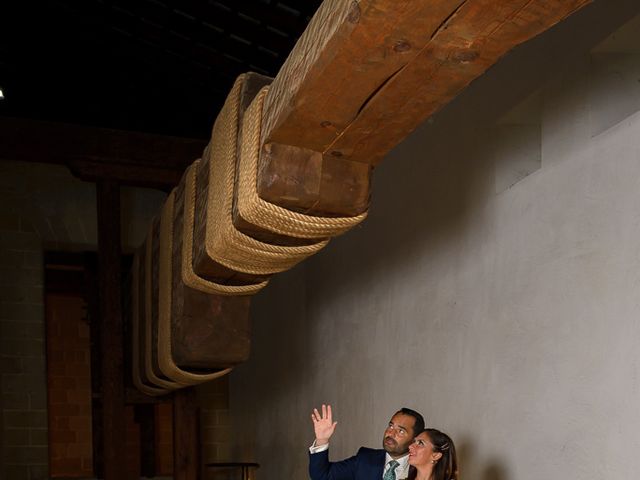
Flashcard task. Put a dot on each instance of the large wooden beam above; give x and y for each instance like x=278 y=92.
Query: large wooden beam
x=473 y=39
x=365 y=74
x=111 y=347
x=129 y=158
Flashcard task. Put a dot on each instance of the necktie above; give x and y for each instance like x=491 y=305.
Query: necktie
x=391 y=471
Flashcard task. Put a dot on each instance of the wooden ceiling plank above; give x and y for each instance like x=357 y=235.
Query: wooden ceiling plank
x=188 y=24
x=99 y=153
x=50 y=140
x=231 y=20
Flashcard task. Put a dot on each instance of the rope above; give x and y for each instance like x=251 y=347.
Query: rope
x=269 y=216
x=135 y=333
x=224 y=243
x=148 y=335
x=165 y=357
x=189 y=277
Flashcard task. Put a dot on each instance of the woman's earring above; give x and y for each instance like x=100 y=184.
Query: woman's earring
x=434 y=461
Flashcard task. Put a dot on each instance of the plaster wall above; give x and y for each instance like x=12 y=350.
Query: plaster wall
x=495 y=286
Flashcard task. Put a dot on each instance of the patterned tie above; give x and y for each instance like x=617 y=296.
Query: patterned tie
x=391 y=472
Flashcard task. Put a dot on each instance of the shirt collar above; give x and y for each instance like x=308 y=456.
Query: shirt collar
x=403 y=464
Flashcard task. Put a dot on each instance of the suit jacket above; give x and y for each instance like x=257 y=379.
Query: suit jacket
x=367 y=464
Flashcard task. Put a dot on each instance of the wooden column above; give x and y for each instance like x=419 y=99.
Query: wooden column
x=145 y=417
x=186 y=444
x=111 y=345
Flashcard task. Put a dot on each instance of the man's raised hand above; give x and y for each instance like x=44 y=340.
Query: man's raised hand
x=323 y=424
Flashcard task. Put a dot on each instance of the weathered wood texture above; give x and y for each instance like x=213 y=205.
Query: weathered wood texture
x=208 y=332
x=91 y=153
x=365 y=74
x=111 y=348
x=306 y=181
x=186 y=445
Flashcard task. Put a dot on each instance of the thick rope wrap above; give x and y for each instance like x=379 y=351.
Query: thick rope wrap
x=224 y=243
x=189 y=277
x=135 y=332
x=165 y=357
x=267 y=215
x=148 y=356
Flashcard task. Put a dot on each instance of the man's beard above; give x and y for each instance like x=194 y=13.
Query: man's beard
x=389 y=445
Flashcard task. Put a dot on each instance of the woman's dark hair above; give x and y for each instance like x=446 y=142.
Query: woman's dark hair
x=446 y=468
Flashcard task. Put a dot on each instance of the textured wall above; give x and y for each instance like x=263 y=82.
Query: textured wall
x=41 y=207
x=69 y=386
x=22 y=353
x=495 y=285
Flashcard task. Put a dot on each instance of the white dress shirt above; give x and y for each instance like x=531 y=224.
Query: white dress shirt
x=402 y=470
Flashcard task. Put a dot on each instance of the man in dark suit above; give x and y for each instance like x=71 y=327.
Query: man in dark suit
x=389 y=463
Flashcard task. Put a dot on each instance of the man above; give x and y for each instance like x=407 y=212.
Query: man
x=391 y=463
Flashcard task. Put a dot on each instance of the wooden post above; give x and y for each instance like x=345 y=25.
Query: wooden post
x=111 y=346
x=145 y=417
x=186 y=444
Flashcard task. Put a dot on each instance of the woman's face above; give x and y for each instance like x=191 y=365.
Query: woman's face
x=421 y=451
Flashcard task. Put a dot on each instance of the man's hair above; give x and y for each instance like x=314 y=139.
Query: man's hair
x=418 y=426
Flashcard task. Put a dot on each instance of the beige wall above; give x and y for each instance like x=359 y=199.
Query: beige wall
x=495 y=285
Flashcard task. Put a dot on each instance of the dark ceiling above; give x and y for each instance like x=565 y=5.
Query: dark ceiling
x=156 y=66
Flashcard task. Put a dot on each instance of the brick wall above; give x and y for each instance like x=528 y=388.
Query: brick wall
x=22 y=353
x=215 y=428
x=69 y=384
x=41 y=205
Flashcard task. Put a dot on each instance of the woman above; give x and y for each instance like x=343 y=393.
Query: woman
x=432 y=456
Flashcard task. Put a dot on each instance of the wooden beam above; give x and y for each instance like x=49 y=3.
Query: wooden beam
x=186 y=445
x=365 y=74
x=92 y=153
x=473 y=39
x=208 y=331
x=125 y=174
x=111 y=345
x=347 y=52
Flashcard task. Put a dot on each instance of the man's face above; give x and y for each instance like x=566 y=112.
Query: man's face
x=398 y=435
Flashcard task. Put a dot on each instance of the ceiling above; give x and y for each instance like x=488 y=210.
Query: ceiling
x=154 y=66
